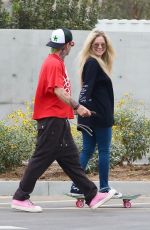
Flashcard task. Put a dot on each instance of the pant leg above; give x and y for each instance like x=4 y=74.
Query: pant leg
x=50 y=131
x=89 y=143
x=68 y=159
x=103 y=138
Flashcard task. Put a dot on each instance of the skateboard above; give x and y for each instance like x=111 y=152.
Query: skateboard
x=126 y=198
x=80 y=199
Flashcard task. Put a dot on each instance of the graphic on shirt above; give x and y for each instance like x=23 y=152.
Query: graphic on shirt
x=82 y=97
x=67 y=85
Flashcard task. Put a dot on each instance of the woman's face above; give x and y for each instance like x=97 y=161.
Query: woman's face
x=99 y=46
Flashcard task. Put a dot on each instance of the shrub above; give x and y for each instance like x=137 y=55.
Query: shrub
x=17 y=139
x=51 y=14
x=130 y=142
x=77 y=136
x=4 y=17
x=132 y=129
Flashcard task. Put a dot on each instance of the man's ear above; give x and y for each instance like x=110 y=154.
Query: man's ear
x=67 y=45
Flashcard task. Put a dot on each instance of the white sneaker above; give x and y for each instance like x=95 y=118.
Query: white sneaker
x=117 y=195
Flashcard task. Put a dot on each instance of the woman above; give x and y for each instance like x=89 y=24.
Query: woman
x=96 y=61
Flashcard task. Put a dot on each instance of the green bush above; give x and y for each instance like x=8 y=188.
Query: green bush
x=132 y=130
x=77 y=136
x=130 y=142
x=118 y=151
x=4 y=17
x=17 y=139
x=51 y=14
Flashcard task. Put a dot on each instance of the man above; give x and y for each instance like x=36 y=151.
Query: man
x=52 y=109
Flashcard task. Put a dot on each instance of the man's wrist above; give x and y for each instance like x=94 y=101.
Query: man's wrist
x=74 y=104
x=76 y=107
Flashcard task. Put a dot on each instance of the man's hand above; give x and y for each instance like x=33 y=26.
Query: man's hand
x=65 y=97
x=83 y=111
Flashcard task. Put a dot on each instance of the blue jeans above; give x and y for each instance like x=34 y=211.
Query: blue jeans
x=102 y=138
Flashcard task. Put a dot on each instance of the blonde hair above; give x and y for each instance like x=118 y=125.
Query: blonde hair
x=107 y=58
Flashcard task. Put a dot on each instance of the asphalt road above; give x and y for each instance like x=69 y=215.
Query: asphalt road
x=60 y=213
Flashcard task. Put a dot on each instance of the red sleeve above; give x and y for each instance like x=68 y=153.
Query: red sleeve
x=55 y=77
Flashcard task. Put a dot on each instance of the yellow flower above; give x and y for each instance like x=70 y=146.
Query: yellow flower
x=20 y=113
x=25 y=121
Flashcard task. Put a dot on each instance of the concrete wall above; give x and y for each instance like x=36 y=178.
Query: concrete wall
x=22 y=52
x=21 y=55
x=131 y=40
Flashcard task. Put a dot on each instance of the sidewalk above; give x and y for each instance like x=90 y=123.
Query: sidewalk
x=49 y=188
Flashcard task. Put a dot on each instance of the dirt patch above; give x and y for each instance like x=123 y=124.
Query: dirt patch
x=55 y=173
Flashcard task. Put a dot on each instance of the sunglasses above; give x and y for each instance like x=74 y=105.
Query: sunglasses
x=97 y=45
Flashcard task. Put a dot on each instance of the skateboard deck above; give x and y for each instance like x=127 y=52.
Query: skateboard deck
x=126 y=198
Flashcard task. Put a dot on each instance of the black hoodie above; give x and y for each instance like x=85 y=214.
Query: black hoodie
x=97 y=95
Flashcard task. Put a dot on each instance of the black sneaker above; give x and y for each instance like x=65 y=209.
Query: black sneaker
x=75 y=190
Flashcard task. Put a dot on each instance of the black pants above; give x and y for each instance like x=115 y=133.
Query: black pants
x=55 y=142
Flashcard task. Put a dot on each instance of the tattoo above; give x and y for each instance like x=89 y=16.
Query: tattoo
x=74 y=104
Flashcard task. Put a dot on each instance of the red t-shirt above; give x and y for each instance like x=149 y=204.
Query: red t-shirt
x=53 y=74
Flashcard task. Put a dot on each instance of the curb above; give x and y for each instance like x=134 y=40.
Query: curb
x=49 y=188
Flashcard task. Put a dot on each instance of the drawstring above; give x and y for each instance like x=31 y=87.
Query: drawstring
x=85 y=127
